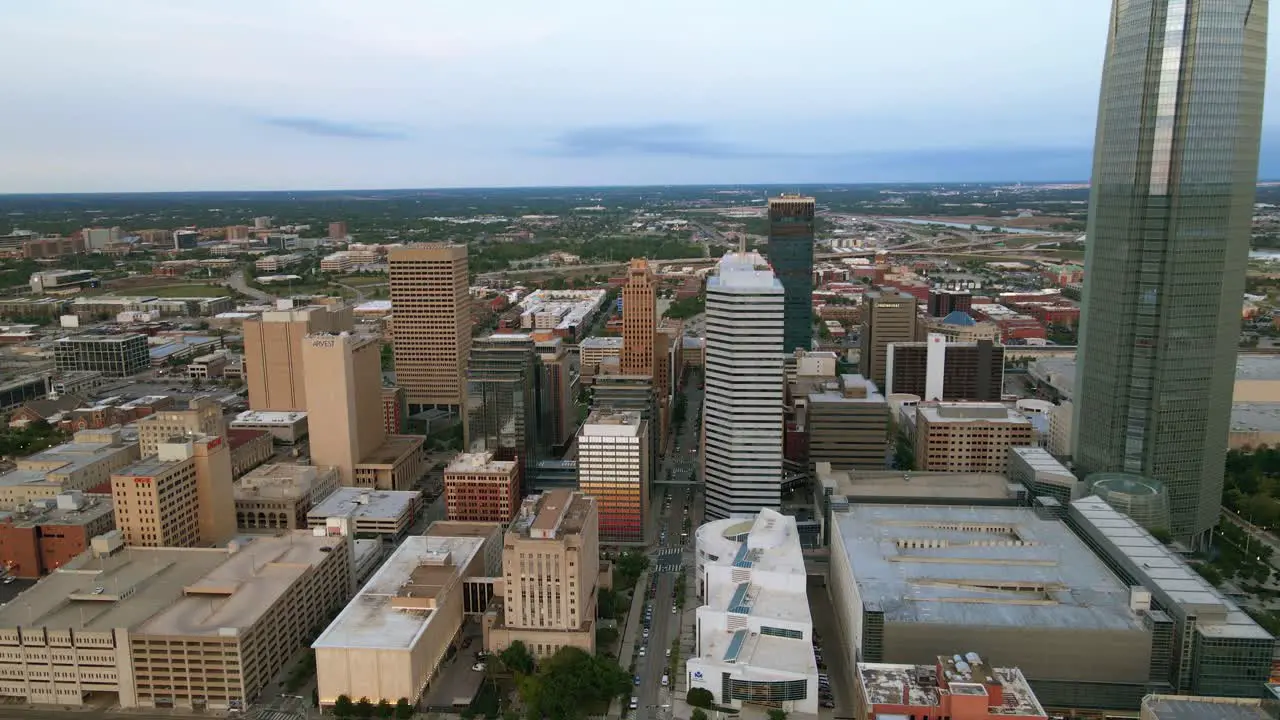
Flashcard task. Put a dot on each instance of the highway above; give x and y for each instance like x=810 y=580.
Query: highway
x=236 y=281
x=669 y=558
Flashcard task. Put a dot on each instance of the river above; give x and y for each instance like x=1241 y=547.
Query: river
x=981 y=228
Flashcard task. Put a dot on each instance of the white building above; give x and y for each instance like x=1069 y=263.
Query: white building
x=285 y=427
x=754 y=631
x=613 y=467
x=742 y=410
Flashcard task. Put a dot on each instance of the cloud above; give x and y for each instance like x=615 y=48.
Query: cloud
x=669 y=139
x=335 y=129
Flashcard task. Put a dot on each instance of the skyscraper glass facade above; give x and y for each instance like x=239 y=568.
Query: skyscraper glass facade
x=501 y=411
x=790 y=253
x=1175 y=164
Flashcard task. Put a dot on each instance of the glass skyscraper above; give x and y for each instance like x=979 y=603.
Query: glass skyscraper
x=790 y=253
x=1174 y=172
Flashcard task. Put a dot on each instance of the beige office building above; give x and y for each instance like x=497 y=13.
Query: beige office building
x=344 y=397
x=551 y=576
x=969 y=437
x=390 y=640
x=180 y=497
x=203 y=416
x=432 y=318
x=387 y=514
x=397 y=464
x=971 y=331
x=202 y=629
x=887 y=317
x=85 y=464
x=279 y=496
x=273 y=363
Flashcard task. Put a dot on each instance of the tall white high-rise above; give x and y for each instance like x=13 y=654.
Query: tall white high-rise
x=742 y=409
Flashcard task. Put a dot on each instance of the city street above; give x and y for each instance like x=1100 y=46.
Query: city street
x=668 y=559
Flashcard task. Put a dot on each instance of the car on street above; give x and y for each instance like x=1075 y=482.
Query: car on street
x=478 y=667
x=637 y=680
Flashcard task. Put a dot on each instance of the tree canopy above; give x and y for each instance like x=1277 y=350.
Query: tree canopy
x=568 y=684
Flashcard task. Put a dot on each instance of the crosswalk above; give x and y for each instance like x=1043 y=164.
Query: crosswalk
x=268 y=714
x=667 y=567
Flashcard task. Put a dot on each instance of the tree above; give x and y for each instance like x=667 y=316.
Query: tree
x=517 y=658
x=698 y=714
x=385 y=708
x=404 y=709
x=570 y=683
x=343 y=707
x=776 y=714
x=364 y=708
x=700 y=698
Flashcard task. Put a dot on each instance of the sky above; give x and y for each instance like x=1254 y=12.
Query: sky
x=160 y=95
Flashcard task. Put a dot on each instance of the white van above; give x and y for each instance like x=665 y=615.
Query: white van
x=635 y=702
x=665 y=680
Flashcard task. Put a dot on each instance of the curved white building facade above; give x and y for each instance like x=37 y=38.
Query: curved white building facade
x=754 y=630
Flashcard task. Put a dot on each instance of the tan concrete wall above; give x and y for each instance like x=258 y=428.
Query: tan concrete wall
x=1066 y=653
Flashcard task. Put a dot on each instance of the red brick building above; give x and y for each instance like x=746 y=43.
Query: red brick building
x=33 y=543
x=393 y=410
x=479 y=488
x=955 y=687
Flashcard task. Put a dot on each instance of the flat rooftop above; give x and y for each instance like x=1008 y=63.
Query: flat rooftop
x=62 y=459
x=1250 y=370
x=480 y=462
x=886 y=683
x=196 y=591
x=971 y=412
x=551 y=515
x=1165 y=573
x=361 y=503
x=94 y=508
x=744 y=272
x=871 y=485
x=392 y=450
x=605 y=343
x=280 y=481
x=1192 y=708
x=1040 y=459
x=955 y=565
x=268 y=417
x=371 y=620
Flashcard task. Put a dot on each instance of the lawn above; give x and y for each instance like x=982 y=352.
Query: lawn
x=364 y=280
x=191 y=290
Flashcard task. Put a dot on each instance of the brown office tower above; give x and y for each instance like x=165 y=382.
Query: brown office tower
x=943 y=302
x=556 y=390
x=273 y=366
x=180 y=497
x=941 y=370
x=639 y=315
x=337 y=230
x=644 y=350
x=848 y=424
x=431 y=323
x=344 y=390
x=203 y=416
x=888 y=317
x=478 y=488
x=551 y=562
